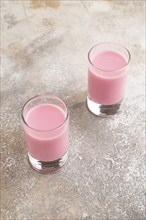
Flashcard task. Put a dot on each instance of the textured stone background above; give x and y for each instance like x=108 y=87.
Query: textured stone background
x=44 y=49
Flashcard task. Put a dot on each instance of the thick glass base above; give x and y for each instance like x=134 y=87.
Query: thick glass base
x=102 y=110
x=47 y=167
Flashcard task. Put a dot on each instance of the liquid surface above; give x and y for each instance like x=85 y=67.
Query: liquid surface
x=45 y=117
x=109 y=60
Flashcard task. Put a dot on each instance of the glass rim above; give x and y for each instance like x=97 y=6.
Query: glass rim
x=39 y=96
x=105 y=70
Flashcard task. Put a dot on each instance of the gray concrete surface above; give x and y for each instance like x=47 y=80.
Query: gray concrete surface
x=44 y=49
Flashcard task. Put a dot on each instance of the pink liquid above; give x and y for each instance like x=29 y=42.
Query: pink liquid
x=50 y=143
x=107 y=87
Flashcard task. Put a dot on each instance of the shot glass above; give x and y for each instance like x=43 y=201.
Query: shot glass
x=108 y=65
x=45 y=122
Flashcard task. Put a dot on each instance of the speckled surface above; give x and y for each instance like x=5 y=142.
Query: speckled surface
x=44 y=49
